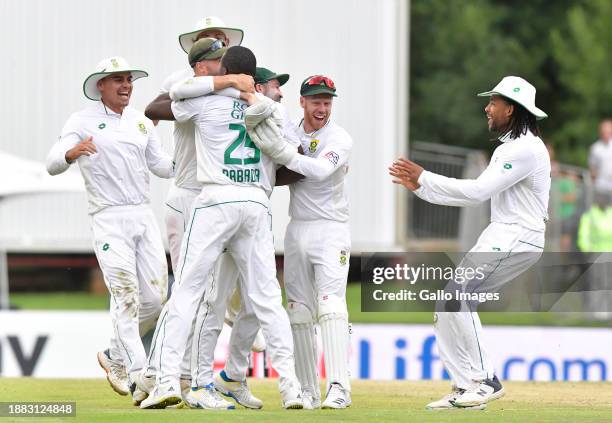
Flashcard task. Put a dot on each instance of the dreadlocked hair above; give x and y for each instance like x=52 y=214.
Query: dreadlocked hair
x=521 y=121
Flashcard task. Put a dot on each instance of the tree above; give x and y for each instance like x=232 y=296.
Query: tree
x=582 y=52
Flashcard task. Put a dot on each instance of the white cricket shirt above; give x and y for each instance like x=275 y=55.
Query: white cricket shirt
x=322 y=193
x=600 y=159
x=517 y=181
x=184 y=139
x=226 y=155
x=126 y=144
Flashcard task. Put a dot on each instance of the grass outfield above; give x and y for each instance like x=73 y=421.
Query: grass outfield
x=85 y=301
x=372 y=402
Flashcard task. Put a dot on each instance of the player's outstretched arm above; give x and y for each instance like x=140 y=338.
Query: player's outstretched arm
x=160 y=108
x=497 y=177
x=403 y=176
x=197 y=86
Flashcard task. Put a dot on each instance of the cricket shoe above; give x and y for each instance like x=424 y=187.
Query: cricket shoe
x=162 y=396
x=138 y=395
x=481 y=393
x=446 y=402
x=311 y=402
x=140 y=386
x=208 y=399
x=291 y=397
x=115 y=373
x=337 y=397
x=185 y=390
x=238 y=390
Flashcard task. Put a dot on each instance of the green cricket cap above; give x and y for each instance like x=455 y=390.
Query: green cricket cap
x=318 y=84
x=206 y=49
x=263 y=75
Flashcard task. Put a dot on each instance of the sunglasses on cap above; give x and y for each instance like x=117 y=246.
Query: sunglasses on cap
x=217 y=45
x=320 y=79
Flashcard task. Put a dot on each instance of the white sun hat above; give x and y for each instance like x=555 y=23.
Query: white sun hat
x=520 y=91
x=234 y=35
x=106 y=67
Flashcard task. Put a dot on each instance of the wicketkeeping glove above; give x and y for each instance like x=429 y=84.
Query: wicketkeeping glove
x=268 y=138
x=255 y=114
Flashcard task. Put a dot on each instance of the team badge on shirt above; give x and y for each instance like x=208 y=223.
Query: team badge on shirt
x=332 y=157
x=343 y=257
x=102 y=125
x=313 y=146
x=507 y=166
x=142 y=128
x=105 y=247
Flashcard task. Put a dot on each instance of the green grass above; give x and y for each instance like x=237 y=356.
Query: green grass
x=372 y=402
x=85 y=301
x=59 y=301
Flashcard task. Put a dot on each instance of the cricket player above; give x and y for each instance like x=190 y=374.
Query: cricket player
x=517 y=181
x=115 y=147
x=186 y=186
x=232 y=213
x=317 y=242
x=267 y=83
x=197 y=364
x=231 y=381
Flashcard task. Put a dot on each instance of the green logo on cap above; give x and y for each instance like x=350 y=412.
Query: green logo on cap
x=516 y=90
x=102 y=125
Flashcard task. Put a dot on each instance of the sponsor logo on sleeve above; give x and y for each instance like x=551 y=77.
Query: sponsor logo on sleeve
x=333 y=157
x=102 y=125
x=507 y=166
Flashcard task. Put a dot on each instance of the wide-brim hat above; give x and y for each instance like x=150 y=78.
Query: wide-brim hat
x=234 y=35
x=517 y=89
x=263 y=75
x=115 y=64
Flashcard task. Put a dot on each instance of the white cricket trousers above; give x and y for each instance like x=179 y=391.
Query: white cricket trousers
x=317 y=254
x=209 y=323
x=504 y=251
x=129 y=249
x=178 y=209
x=316 y=265
x=236 y=218
x=197 y=363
